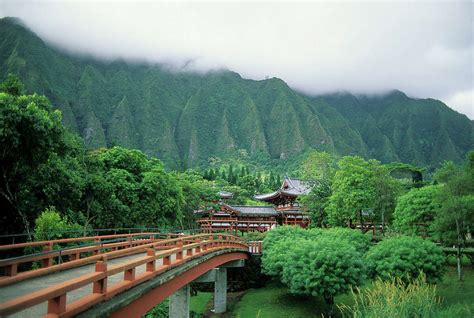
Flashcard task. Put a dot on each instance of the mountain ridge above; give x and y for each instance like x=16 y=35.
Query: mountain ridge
x=181 y=116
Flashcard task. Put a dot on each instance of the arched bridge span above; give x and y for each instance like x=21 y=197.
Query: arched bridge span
x=118 y=286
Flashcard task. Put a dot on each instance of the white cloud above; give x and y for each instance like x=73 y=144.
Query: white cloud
x=463 y=102
x=422 y=48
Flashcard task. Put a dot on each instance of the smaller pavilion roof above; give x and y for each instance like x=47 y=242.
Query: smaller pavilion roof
x=225 y=195
x=290 y=187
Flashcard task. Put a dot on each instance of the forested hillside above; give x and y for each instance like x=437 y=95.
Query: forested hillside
x=188 y=117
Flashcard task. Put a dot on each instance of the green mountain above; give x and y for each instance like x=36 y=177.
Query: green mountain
x=182 y=116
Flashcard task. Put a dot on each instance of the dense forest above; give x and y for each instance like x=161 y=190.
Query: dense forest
x=47 y=169
x=189 y=119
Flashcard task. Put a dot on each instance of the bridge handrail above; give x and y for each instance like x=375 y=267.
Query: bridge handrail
x=56 y=295
x=81 y=248
x=11 y=265
x=72 y=239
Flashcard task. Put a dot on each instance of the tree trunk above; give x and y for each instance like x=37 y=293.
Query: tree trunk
x=330 y=302
x=458 y=254
x=360 y=221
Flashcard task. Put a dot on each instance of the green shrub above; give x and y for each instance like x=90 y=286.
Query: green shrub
x=324 y=267
x=280 y=233
x=356 y=238
x=394 y=298
x=50 y=226
x=415 y=210
x=273 y=258
x=254 y=236
x=405 y=257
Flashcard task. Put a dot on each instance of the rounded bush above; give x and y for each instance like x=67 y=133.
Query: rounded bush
x=356 y=238
x=324 y=267
x=406 y=257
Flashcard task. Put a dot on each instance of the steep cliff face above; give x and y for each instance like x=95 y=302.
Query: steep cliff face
x=191 y=117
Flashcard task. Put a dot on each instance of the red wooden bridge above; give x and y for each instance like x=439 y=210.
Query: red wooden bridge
x=122 y=275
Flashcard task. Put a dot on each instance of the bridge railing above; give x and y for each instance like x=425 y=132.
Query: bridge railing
x=66 y=258
x=255 y=247
x=183 y=249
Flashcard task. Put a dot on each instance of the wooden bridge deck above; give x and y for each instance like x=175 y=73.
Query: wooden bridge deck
x=74 y=290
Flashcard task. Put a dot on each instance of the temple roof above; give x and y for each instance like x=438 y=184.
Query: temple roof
x=255 y=210
x=226 y=195
x=244 y=210
x=291 y=187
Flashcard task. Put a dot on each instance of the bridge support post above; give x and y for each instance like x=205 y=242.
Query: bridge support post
x=179 y=303
x=220 y=291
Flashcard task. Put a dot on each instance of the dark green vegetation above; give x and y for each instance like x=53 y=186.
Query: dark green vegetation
x=405 y=258
x=328 y=262
x=455 y=300
x=184 y=118
x=44 y=165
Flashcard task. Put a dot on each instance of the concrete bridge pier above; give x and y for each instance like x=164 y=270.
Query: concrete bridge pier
x=220 y=290
x=179 y=303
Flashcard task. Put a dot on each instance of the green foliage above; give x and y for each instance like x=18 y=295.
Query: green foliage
x=324 y=267
x=359 y=185
x=356 y=238
x=283 y=232
x=32 y=141
x=315 y=262
x=416 y=209
x=394 y=298
x=51 y=226
x=276 y=245
x=320 y=168
x=405 y=258
x=12 y=86
x=45 y=165
x=159 y=311
x=446 y=172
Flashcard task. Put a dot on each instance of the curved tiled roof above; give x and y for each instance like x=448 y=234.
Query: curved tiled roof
x=290 y=187
x=255 y=210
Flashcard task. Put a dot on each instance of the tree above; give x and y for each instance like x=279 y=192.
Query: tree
x=51 y=226
x=325 y=267
x=12 y=86
x=320 y=168
x=359 y=185
x=31 y=133
x=406 y=257
x=354 y=189
x=161 y=200
x=416 y=210
x=355 y=238
x=455 y=218
x=277 y=243
x=199 y=193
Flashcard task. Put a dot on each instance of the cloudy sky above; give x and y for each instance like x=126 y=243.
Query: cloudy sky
x=422 y=48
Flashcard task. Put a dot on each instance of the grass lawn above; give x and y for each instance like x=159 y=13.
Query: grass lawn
x=199 y=302
x=453 y=291
x=274 y=300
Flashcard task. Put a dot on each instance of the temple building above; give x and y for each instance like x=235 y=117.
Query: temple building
x=234 y=218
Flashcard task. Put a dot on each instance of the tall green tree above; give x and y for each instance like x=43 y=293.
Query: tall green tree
x=319 y=168
x=31 y=137
x=455 y=218
x=416 y=210
x=353 y=190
